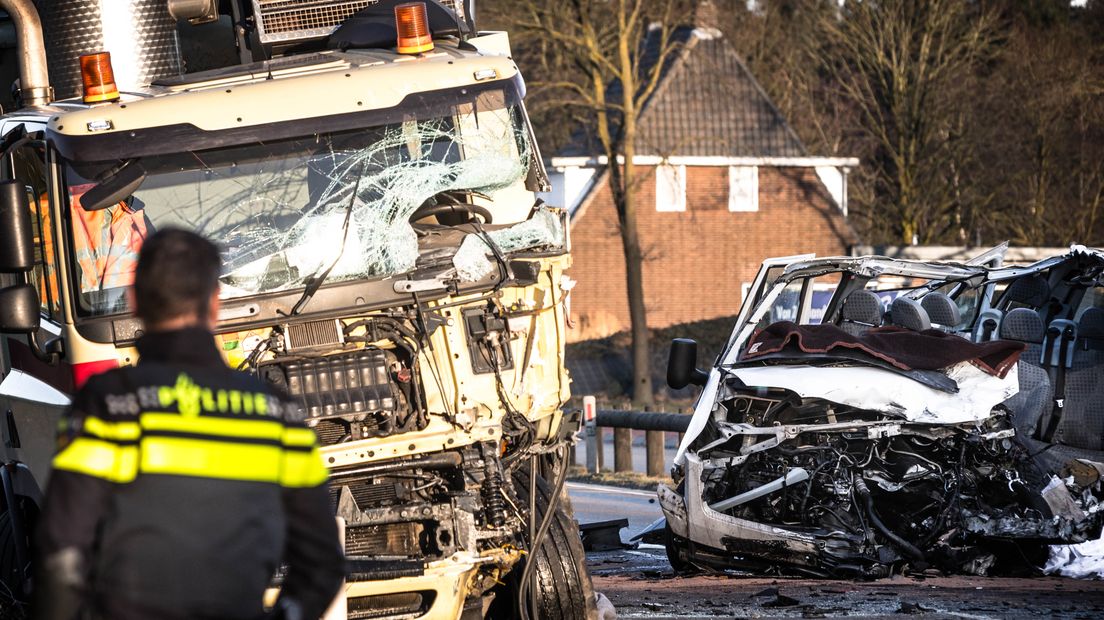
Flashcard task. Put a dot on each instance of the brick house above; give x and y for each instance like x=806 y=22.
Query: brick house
x=724 y=183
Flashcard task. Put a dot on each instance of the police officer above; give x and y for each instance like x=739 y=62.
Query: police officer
x=180 y=485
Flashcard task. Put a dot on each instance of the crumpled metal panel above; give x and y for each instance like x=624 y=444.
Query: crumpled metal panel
x=140 y=35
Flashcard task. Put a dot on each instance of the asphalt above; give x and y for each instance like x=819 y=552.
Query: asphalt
x=594 y=502
x=640 y=583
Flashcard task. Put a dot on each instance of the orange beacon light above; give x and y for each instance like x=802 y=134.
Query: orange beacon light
x=412 y=26
x=98 y=78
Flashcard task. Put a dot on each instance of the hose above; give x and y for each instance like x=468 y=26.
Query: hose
x=534 y=546
x=901 y=544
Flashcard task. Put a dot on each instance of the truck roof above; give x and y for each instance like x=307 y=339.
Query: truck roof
x=315 y=85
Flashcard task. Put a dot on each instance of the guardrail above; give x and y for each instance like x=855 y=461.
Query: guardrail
x=655 y=424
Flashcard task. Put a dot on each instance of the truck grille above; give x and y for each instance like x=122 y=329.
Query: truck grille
x=341 y=385
x=282 y=21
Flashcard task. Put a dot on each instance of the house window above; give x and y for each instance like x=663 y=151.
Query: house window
x=743 y=188
x=670 y=188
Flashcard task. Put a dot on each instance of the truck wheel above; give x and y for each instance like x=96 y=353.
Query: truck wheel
x=562 y=583
x=10 y=570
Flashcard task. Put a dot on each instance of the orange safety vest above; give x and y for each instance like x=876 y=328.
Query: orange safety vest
x=105 y=243
x=48 y=276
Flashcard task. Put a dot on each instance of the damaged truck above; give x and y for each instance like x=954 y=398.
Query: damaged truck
x=369 y=171
x=872 y=415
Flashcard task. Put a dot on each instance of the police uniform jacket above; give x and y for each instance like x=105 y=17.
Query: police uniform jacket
x=178 y=488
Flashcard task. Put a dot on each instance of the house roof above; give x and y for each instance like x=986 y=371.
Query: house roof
x=707 y=104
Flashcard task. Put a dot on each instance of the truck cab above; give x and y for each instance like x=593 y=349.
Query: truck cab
x=386 y=264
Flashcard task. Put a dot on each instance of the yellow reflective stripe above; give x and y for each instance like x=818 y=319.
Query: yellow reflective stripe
x=100 y=459
x=303 y=469
x=204 y=458
x=221 y=427
x=113 y=431
x=299 y=437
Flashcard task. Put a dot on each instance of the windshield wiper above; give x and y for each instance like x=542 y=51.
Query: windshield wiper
x=314 y=282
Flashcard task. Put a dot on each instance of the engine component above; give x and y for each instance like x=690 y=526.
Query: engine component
x=423 y=508
x=350 y=396
x=494 y=501
x=313 y=334
x=792 y=477
x=488 y=340
x=342 y=384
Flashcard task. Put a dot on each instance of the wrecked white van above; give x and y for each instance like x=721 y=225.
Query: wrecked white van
x=870 y=415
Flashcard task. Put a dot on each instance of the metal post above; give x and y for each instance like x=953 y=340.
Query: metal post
x=653 y=445
x=593 y=445
x=622 y=449
x=600 y=446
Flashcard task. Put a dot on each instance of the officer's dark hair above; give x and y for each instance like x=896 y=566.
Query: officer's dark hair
x=177 y=272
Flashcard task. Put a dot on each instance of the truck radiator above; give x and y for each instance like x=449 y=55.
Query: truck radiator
x=314 y=334
x=400 y=605
x=287 y=21
x=391 y=539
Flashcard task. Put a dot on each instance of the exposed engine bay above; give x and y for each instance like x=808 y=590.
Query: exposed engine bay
x=872 y=492
x=818 y=450
x=415 y=487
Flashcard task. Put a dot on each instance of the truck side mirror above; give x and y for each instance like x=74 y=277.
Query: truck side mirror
x=19 y=309
x=682 y=367
x=16 y=237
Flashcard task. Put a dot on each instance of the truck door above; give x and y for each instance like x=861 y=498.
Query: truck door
x=33 y=393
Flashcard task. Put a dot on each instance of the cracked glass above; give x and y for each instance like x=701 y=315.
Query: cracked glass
x=335 y=205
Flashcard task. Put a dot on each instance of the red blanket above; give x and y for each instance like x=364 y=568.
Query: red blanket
x=927 y=350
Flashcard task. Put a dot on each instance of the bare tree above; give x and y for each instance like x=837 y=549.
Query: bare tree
x=902 y=65
x=610 y=55
x=1046 y=102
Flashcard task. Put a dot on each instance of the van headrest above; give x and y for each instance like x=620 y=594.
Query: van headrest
x=1023 y=325
x=1090 y=329
x=863 y=306
x=942 y=310
x=908 y=313
x=1031 y=290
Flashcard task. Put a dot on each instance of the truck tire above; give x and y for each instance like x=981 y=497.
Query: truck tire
x=10 y=571
x=14 y=590
x=563 y=587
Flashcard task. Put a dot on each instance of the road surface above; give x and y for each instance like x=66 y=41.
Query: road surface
x=640 y=584
x=594 y=502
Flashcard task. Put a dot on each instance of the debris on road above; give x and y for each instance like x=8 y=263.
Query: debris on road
x=603 y=535
x=1081 y=561
x=664 y=594
x=911 y=608
x=606 y=610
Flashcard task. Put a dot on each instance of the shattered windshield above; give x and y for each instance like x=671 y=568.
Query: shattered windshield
x=286 y=211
